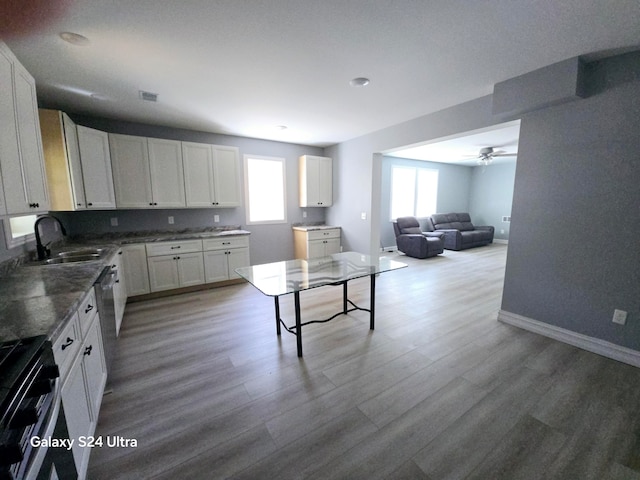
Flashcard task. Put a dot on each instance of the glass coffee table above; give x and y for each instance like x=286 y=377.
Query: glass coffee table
x=293 y=276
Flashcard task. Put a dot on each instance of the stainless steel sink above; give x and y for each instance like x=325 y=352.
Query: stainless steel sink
x=72 y=259
x=82 y=252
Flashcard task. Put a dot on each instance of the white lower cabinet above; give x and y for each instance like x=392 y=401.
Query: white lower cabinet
x=83 y=373
x=223 y=255
x=175 y=264
x=136 y=270
x=316 y=243
x=119 y=289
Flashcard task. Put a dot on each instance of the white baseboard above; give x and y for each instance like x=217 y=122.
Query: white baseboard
x=393 y=248
x=501 y=240
x=591 y=344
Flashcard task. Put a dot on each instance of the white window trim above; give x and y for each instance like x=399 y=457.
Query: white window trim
x=246 y=189
x=19 y=240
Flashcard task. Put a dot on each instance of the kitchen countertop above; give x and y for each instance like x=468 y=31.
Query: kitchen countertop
x=39 y=299
x=310 y=228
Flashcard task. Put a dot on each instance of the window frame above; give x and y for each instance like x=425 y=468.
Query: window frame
x=416 y=171
x=282 y=161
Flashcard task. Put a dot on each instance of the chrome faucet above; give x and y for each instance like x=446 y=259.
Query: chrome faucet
x=43 y=250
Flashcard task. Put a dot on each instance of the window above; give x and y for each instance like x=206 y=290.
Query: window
x=264 y=186
x=414 y=191
x=19 y=230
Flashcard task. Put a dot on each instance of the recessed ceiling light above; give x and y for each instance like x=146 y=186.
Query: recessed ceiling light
x=281 y=127
x=359 y=82
x=75 y=39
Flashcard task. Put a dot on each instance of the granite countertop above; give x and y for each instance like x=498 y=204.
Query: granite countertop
x=38 y=299
x=309 y=228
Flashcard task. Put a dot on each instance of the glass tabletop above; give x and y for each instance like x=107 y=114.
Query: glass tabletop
x=281 y=278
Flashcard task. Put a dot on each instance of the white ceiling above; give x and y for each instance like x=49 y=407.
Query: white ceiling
x=244 y=67
x=463 y=149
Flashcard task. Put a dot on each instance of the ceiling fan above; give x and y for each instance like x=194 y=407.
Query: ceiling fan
x=487 y=154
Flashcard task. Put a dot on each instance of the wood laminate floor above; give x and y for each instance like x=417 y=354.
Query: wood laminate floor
x=440 y=390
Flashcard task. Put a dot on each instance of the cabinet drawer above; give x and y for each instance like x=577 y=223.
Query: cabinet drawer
x=323 y=234
x=169 y=248
x=223 y=243
x=67 y=345
x=86 y=311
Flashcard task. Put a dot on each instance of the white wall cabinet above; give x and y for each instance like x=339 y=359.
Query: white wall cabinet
x=62 y=161
x=211 y=175
x=136 y=271
x=148 y=172
x=223 y=255
x=96 y=168
x=21 y=156
x=315 y=181
x=316 y=243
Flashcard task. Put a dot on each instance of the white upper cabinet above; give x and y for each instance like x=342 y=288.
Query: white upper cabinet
x=62 y=161
x=167 y=176
x=96 y=168
x=211 y=175
x=147 y=172
x=315 y=181
x=21 y=157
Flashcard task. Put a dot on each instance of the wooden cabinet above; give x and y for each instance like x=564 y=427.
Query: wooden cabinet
x=96 y=168
x=79 y=353
x=222 y=255
x=315 y=181
x=175 y=264
x=62 y=161
x=211 y=175
x=136 y=271
x=21 y=157
x=310 y=243
x=148 y=172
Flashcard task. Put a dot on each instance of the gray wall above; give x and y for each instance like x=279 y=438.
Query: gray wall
x=454 y=185
x=491 y=196
x=574 y=252
x=268 y=242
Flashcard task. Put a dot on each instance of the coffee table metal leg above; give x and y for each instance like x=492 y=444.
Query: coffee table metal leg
x=296 y=296
x=373 y=302
x=344 y=298
x=277 y=300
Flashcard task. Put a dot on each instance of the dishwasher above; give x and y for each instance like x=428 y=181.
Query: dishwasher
x=106 y=309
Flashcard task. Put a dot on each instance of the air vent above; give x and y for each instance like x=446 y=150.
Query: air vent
x=148 y=96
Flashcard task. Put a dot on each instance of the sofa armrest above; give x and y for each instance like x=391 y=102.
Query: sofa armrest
x=434 y=234
x=452 y=239
x=485 y=227
x=412 y=244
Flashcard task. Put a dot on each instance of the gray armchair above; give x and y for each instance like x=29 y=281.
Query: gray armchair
x=413 y=242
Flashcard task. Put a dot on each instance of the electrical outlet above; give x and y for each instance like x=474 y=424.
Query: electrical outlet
x=304 y=214
x=216 y=218
x=170 y=220
x=114 y=221
x=619 y=317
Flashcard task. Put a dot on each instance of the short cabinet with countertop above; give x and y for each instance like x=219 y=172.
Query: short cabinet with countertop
x=315 y=181
x=313 y=242
x=222 y=255
x=175 y=264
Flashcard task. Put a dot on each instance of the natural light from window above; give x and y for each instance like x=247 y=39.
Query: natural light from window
x=265 y=189
x=414 y=191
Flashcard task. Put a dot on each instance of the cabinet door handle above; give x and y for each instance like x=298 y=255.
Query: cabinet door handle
x=174 y=247
x=87 y=351
x=88 y=309
x=68 y=343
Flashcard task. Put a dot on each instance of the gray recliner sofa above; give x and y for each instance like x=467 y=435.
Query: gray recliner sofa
x=413 y=242
x=459 y=232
